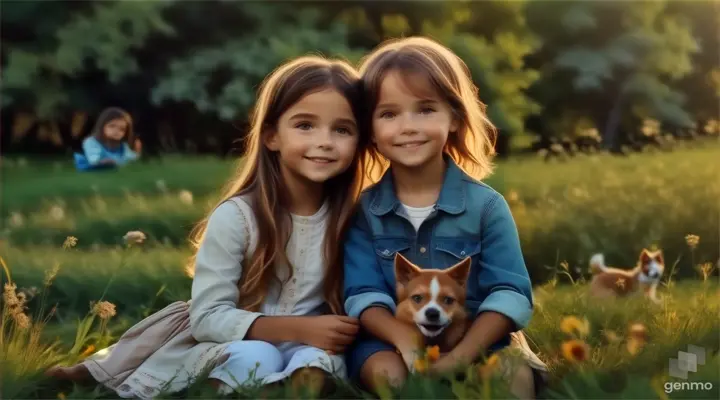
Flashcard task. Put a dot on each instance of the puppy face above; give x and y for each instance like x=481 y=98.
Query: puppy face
x=431 y=299
x=652 y=265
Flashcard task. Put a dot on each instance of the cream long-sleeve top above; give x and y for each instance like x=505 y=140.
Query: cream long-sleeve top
x=231 y=237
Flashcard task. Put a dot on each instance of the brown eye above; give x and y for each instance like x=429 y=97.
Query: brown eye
x=447 y=300
x=416 y=298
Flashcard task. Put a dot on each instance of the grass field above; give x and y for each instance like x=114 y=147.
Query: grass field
x=564 y=211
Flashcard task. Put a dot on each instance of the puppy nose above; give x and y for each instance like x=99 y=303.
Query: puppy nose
x=432 y=314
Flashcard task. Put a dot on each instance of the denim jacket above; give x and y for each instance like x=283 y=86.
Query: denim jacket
x=469 y=219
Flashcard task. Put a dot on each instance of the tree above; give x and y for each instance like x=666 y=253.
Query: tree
x=221 y=78
x=49 y=47
x=614 y=61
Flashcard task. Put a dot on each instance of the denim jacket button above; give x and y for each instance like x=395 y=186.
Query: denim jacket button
x=462 y=253
x=423 y=249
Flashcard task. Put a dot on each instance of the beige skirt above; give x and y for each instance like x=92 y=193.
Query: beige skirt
x=157 y=355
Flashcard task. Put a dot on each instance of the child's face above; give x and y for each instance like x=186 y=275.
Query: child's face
x=410 y=127
x=115 y=129
x=316 y=137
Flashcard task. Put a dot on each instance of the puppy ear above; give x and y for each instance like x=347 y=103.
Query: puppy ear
x=405 y=271
x=659 y=257
x=460 y=271
x=644 y=257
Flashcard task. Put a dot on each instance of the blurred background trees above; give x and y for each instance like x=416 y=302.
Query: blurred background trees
x=551 y=73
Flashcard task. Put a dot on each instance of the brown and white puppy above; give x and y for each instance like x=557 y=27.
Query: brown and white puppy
x=615 y=282
x=433 y=301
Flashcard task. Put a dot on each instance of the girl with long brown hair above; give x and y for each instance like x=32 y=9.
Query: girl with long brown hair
x=266 y=292
x=111 y=143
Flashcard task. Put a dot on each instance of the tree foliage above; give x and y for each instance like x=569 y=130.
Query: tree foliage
x=42 y=71
x=557 y=69
x=620 y=60
x=221 y=78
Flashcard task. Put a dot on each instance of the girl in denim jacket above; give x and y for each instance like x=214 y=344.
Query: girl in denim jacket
x=431 y=207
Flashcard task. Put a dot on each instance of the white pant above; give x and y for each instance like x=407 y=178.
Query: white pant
x=254 y=361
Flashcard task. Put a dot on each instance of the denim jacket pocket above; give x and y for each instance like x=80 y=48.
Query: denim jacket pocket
x=386 y=248
x=454 y=250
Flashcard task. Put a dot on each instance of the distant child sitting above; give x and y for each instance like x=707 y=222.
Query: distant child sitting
x=108 y=144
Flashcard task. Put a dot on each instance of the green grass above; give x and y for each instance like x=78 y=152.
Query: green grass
x=30 y=185
x=144 y=280
x=565 y=211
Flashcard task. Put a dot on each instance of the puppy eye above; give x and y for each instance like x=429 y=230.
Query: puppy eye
x=447 y=300
x=416 y=298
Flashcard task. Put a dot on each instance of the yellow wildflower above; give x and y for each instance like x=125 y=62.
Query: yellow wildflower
x=575 y=350
x=89 y=350
x=70 y=242
x=692 y=241
x=61 y=396
x=421 y=365
x=486 y=370
x=573 y=325
x=433 y=353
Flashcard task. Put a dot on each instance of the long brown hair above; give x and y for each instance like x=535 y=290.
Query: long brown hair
x=107 y=115
x=259 y=177
x=473 y=145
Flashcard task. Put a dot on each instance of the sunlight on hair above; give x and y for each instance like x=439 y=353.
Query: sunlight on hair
x=258 y=176
x=472 y=147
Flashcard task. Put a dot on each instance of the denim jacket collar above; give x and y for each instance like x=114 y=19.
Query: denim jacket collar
x=451 y=199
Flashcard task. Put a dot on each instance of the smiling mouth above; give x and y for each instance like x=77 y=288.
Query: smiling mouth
x=432 y=328
x=410 y=145
x=321 y=160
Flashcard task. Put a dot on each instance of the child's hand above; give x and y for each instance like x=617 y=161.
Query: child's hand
x=409 y=354
x=330 y=332
x=409 y=348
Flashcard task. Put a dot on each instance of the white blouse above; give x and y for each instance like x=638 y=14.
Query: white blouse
x=230 y=238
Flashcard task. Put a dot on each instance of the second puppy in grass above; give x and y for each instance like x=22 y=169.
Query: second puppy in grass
x=433 y=300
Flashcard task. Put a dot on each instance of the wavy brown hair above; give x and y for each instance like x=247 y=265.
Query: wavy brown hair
x=107 y=115
x=473 y=145
x=258 y=175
